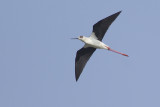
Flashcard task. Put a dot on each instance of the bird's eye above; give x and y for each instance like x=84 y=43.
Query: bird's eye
x=81 y=36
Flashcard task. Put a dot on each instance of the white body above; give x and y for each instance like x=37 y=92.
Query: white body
x=92 y=41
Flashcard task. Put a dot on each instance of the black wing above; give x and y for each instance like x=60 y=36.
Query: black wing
x=101 y=27
x=82 y=57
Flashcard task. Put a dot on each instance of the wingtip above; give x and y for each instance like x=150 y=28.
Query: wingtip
x=119 y=12
x=76 y=79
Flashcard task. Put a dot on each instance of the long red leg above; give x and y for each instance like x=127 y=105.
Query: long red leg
x=117 y=51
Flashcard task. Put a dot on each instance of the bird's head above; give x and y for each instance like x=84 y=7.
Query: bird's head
x=80 y=38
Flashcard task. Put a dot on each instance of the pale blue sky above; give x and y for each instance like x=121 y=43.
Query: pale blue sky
x=37 y=55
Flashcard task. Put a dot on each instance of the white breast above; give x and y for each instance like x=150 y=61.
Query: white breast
x=91 y=42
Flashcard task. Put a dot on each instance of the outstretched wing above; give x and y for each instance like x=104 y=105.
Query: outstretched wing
x=102 y=26
x=82 y=57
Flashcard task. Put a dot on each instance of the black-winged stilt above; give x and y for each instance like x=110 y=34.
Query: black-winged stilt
x=93 y=42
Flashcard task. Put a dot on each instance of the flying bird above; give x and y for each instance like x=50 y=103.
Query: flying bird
x=93 y=42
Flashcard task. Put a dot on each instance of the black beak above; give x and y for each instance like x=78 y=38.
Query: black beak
x=74 y=38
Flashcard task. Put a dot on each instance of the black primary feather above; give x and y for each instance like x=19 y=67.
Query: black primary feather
x=102 y=26
x=82 y=57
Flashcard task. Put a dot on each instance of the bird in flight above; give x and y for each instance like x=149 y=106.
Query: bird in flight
x=93 y=42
